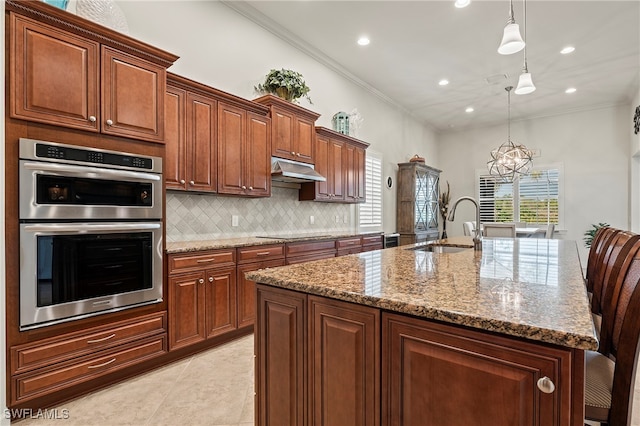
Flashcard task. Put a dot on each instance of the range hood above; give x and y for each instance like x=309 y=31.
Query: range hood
x=292 y=171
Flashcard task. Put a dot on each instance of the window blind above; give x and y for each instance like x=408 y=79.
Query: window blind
x=370 y=212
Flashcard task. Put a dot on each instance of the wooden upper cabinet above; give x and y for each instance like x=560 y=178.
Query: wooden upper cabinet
x=258 y=157
x=293 y=129
x=201 y=143
x=354 y=167
x=54 y=76
x=132 y=96
x=175 y=138
x=64 y=71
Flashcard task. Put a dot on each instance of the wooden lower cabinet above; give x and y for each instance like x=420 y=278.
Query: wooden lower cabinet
x=247 y=291
x=326 y=362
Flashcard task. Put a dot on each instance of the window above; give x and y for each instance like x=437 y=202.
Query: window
x=370 y=212
x=532 y=198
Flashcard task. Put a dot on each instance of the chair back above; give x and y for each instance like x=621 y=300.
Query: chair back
x=468 y=228
x=598 y=248
x=550 y=228
x=624 y=337
x=505 y=230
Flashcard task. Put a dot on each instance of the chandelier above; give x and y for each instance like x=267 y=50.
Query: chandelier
x=509 y=160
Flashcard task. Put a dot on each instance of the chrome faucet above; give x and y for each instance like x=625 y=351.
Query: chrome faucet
x=477 y=238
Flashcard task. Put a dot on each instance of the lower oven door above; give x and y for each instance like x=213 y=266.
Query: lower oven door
x=74 y=270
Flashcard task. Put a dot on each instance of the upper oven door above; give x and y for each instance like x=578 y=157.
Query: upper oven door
x=58 y=191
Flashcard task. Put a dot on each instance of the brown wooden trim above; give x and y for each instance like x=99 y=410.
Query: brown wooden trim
x=274 y=101
x=341 y=136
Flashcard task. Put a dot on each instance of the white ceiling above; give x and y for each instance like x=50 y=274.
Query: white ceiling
x=414 y=44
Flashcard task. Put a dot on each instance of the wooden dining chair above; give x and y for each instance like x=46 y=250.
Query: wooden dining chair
x=610 y=376
x=598 y=248
x=504 y=230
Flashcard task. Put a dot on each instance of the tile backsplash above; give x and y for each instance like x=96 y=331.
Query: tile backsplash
x=193 y=217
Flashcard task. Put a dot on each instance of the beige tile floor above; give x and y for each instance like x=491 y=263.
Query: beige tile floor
x=212 y=388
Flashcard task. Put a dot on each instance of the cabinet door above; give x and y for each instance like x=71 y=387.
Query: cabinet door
x=336 y=169
x=54 y=76
x=201 y=143
x=322 y=166
x=282 y=144
x=231 y=149
x=220 y=295
x=304 y=140
x=258 y=155
x=360 y=173
x=174 y=136
x=344 y=359
x=435 y=374
x=186 y=309
x=133 y=92
x=246 y=291
x=280 y=363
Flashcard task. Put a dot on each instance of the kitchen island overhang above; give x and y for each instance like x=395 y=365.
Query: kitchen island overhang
x=515 y=315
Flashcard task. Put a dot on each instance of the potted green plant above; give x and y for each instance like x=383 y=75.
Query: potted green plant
x=589 y=234
x=286 y=84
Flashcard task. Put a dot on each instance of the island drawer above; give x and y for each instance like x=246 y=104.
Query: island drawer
x=201 y=259
x=348 y=243
x=260 y=253
x=309 y=247
x=60 y=376
x=372 y=240
x=70 y=346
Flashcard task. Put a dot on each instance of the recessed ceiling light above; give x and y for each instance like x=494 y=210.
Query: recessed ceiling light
x=363 y=41
x=443 y=82
x=469 y=109
x=462 y=3
x=567 y=50
x=570 y=90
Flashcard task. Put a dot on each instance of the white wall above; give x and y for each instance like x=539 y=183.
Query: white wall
x=634 y=176
x=593 y=147
x=221 y=48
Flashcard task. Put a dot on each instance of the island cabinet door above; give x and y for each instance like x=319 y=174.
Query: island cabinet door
x=436 y=374
x=344 y=355
x=281 y=357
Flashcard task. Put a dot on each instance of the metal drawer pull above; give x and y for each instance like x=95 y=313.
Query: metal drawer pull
x=546 y=385
x=206 y=260
x=111 y=361
x=103 y=339
x=210 y=279
x=201 y=280
x=263 y=253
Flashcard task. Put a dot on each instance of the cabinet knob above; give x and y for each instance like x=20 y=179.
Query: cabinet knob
x=298 y=154
x=251 y=188
x=182 y=181
x=293 y=153
x=109 y=122
x=192 y=182
x=546 y=385
x=244 y=187
x=201 y=280
x=92 y=118
x=210 y=279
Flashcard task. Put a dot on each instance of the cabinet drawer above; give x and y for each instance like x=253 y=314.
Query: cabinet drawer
x=352 y=250
x=310 y=257
x=260 y=253
x=201 y=259
x=347 y=243
x=372 y=240
x=309 y=247
x=55 y=350
x=36 y=384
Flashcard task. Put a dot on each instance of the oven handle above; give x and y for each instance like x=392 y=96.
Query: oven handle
x=85 y=227
x=91 y=171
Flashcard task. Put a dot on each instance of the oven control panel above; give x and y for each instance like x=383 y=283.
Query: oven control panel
x=59 y=152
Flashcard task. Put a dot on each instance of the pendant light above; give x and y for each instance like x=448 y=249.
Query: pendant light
x=509 y=160
x=525 y=82
x=511 y=40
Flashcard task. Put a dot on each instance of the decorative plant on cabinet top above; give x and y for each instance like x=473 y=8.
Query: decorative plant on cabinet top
x=286 y=84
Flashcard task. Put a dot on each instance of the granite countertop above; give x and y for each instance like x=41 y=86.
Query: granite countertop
x=525 y=287
x=189 y=246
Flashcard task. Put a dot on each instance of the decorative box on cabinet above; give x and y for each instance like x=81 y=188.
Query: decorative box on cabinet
x=341 y=159
x=202 y=296
x=417 y=203
x=67 y=71
x=46 y=366
x=293 y=129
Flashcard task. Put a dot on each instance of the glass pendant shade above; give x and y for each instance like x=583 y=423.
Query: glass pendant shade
x=511 y=40
x=525 y=84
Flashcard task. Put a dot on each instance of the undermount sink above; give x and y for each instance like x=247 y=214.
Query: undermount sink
x=441 y=249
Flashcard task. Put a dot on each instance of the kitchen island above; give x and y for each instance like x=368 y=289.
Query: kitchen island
x=416 y=337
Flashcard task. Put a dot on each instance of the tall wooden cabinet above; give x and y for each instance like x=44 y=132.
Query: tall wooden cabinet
x=417 y=202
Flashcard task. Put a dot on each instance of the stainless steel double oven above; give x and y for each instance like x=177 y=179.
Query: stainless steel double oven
x=90 y=232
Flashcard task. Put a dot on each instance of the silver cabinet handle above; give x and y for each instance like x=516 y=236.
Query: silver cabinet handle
x=251 y=188
x=200 y=280
x=546 y=385
x=182 y=181
x=109 y=122
x=92 y=118
x=210 y=279
x=192 y=182
x=103 y=339
x=293 y=153
x=244 y=187
x=83 y=171
x=298 y=154
x=103 y=364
